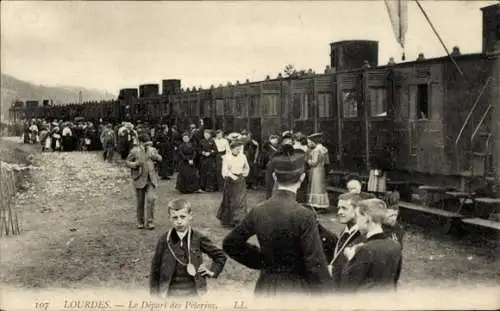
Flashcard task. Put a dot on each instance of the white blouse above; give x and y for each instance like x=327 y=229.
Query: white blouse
x=237 y=165
x=222 y=144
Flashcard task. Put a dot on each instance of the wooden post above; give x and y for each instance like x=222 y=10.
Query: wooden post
x=315 y=107
x=495 y=97
x=366 y=110
x=340 y=119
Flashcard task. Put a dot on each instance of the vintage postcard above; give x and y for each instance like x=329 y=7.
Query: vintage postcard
x=249 y=155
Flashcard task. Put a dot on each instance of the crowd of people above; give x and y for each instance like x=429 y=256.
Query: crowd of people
x=296 y=254
x=61 y=135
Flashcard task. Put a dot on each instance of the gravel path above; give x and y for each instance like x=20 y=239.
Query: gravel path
x=78 y=230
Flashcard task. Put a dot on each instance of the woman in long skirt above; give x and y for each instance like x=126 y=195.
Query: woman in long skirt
x=251 y=150
x=208 y=162
x=317 y=197
x=166 y=151
x=188 y=178
x=234 y=170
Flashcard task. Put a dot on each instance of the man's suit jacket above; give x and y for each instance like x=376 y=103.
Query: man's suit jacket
x=163 y=263
x=374 y=266
x=290 y=257
x=142 y=166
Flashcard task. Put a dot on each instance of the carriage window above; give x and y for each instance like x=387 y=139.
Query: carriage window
x=378 y=102
x=302 y=106
x=241 y=106
x=423 y=101
x=229 y=106
x=271 y=105
x=325 y=105
x=349 y=104
x=219 y=107
x=253 y=106
x=201 y=107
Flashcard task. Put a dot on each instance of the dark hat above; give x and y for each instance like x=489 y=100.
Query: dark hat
x=186 y=133
x=289 y=164
x=219 y=131
x=143 y=138
x=287 y=133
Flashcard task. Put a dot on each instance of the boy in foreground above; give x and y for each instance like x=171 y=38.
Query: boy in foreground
x=374 y=264
x=177 y=268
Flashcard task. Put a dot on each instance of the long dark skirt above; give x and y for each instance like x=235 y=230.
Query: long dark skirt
x=66 y=143
x=233 y=207
x=166 y=165
x=188 y=179
x=252 y=175
x=302 y=191
x=208 y=173
x=269 y=182
x=220 y=179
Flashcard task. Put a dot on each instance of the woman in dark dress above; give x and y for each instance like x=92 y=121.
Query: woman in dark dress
x=251 y=150
x=188 y=179
x=208 y=162
x=269 y=149
x=300 y=146
x=235 y=168
x=176 y=139
x=166 y=151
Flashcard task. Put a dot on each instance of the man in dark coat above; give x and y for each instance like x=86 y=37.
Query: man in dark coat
x=375 y=263
x=290 y=258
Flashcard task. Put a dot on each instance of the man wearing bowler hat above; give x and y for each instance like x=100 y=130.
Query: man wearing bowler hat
x=140 y=161
x=290 y=257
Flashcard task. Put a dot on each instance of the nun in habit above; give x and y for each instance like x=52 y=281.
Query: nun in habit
x=188 y=178
x=316 y=196
x=235 y=169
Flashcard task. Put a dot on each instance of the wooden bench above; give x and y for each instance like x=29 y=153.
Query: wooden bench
x=445 y=218
x=434 y=194
x=495 y=225
x=455 y=200
x=485 y=206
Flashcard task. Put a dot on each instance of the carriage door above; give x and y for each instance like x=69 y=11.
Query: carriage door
x=418 y=111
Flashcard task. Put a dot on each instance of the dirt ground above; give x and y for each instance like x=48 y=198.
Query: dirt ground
x=78 y=231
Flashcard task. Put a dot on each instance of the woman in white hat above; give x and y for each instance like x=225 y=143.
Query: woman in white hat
x=235 y=169
x=316 y=196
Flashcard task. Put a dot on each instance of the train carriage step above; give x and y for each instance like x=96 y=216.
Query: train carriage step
x=490 y=201
x=437 y=189
x=482 y=223
x=479 y=154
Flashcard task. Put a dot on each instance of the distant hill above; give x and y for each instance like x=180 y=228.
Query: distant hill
x=13 y=89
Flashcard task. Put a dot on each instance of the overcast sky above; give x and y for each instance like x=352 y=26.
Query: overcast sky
x=113 y=45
